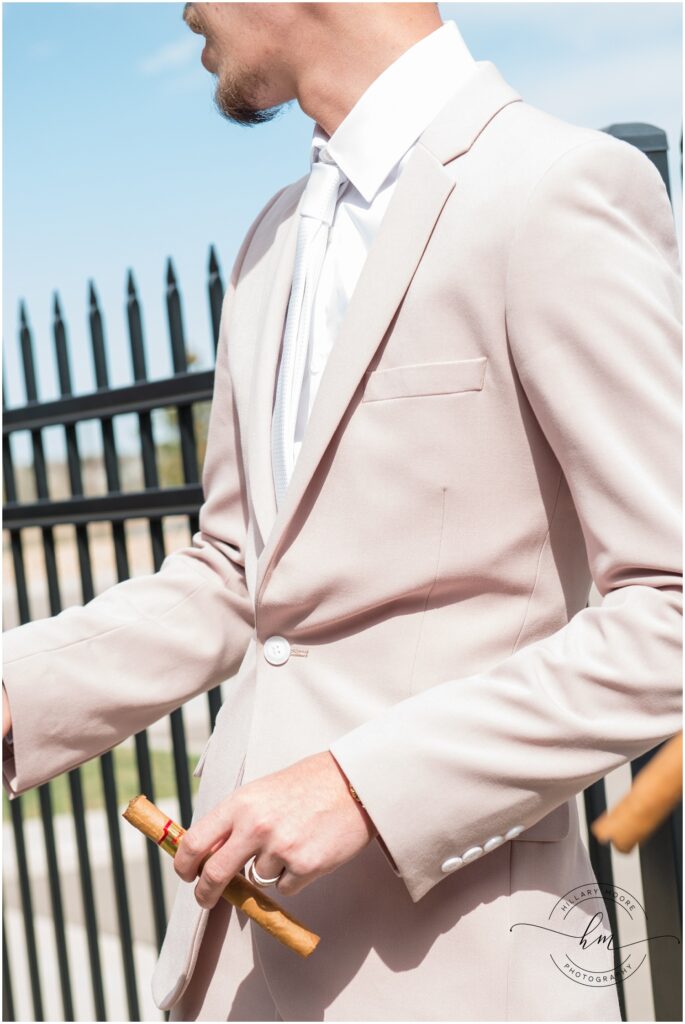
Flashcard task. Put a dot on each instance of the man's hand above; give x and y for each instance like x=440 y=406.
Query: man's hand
x=6 y=717
x=302 y=817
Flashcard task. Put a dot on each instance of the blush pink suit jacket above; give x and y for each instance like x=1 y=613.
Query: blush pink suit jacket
x=496 y=428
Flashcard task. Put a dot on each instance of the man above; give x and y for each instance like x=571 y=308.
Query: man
x=446 y=400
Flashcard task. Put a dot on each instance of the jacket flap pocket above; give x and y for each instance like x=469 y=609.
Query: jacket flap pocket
x=425 y=379
x=553 y=826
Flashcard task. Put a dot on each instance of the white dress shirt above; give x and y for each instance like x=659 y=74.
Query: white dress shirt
x=371 y=146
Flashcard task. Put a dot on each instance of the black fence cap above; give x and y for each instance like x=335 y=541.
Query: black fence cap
x=646 y=137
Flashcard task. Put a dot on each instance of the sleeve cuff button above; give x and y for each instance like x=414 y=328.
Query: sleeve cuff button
x=493 y=843
x=451 y=864
x=513 y=832
x=472 y=854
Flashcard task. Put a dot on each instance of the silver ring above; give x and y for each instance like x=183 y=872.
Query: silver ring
x=255 y=877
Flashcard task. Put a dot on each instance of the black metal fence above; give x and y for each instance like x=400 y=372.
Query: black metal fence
x=182 y=391
x=660 y=857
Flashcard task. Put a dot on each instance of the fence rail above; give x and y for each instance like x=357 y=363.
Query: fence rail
x=660 y=858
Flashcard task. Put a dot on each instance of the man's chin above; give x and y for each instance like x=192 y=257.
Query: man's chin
x=233 y=99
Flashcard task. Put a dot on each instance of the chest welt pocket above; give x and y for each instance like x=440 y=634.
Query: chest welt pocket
x=415 y=379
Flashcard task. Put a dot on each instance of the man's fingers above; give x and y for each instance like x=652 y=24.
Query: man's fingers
x=222 y=866
x=203 y=837
x=290 y=884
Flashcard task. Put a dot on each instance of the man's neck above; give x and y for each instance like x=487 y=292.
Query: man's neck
x=329 y=87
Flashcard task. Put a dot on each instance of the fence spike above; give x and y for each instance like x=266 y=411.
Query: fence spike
x=23 y=319
x=179 y=356
x=4 y=378
x=216 y=294
x=28 y=362
x=135 y=331
x=60 y=339
x=97 y=339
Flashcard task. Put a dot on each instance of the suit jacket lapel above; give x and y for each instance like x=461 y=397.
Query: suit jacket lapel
x=419 y=196
x=275 y=287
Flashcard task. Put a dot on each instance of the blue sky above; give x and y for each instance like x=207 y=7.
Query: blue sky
x=115 y=157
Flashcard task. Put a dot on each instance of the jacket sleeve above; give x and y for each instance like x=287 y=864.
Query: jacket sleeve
x=592 y=305
x=83 y=680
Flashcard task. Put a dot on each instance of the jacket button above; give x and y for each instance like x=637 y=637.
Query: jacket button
x=513 y=832
x=451 y=864
x=493 y=843
x=472 y=854
x=276 y=650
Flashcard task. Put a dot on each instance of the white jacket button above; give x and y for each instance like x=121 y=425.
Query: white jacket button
x=493 y=843
x=451 y=864
x=276 y=650
x=513 y=832
x=472 y=853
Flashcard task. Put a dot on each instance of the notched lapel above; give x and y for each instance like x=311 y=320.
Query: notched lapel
x=275 y=287
x=417 y=201
x=415 y=205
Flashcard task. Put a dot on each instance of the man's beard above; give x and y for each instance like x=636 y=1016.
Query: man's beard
x=233 y=98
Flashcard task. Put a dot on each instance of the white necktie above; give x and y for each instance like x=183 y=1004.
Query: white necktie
x=317 y=210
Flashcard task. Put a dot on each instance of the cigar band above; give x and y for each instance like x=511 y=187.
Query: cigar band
x=171 y=833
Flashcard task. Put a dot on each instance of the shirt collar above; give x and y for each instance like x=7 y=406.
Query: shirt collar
x=395 y=108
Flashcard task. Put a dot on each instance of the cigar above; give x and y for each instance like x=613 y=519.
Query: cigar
x=239 y=892
x=656 y=790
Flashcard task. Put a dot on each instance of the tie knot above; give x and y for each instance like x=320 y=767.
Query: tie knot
x=321 y=191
